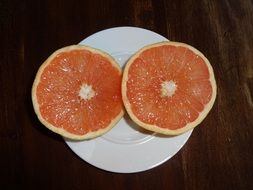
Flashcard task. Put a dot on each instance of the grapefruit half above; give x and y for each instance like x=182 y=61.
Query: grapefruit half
x=168 y=87
x=77 y=92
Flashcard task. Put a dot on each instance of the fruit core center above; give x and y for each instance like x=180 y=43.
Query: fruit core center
x=86 y=92
x=168 y=88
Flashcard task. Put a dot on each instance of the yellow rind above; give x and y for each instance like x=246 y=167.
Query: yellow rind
x=155 y=128
x=61 y=131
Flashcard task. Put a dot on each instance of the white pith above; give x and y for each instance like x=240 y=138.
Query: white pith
x=86 y=92
x=168 y=88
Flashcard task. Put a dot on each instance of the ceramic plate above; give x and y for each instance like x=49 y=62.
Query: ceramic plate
x=126 y=148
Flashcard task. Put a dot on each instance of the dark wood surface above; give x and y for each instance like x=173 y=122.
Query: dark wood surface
x=218 y=155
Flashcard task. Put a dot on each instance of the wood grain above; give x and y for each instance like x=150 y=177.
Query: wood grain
x=219 y=153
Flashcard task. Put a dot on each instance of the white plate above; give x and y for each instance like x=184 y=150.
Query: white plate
x=126 y=148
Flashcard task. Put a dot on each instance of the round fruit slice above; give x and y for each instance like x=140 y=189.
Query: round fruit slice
x=168 y=87
x=77 y=92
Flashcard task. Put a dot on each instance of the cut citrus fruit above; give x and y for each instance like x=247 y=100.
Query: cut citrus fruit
x=168 y=87
x=77 y=92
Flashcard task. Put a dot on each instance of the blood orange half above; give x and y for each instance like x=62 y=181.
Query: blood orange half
x=77 y=92
x=168 y=87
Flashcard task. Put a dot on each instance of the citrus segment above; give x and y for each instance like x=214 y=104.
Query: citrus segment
x=77 y=92
x=168 y=87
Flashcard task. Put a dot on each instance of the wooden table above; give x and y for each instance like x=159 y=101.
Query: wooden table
x=218 y=155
